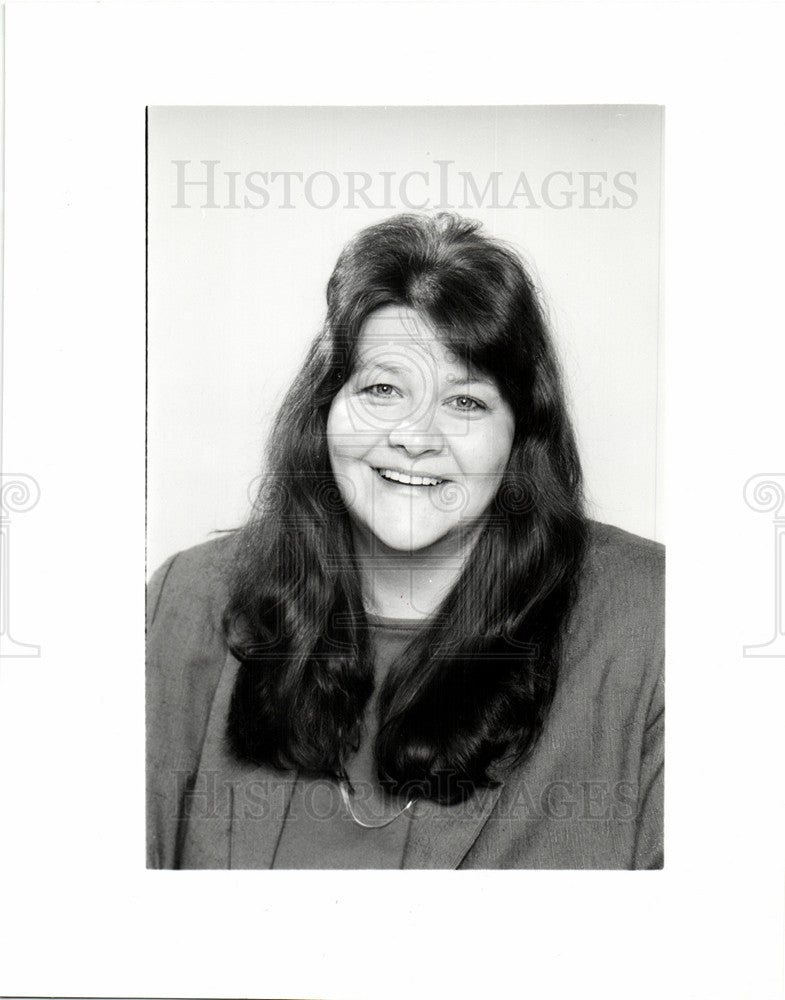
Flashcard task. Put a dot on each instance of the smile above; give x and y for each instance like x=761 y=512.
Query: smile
x=391 y=475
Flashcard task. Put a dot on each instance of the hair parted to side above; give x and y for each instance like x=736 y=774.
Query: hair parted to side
x=471 y=692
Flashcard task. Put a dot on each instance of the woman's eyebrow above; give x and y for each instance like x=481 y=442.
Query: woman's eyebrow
x=383 y=366
x=471 y=380
x=391 y=368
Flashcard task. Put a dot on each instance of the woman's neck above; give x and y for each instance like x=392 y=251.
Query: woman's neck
x=409 y=584
x=405 y=593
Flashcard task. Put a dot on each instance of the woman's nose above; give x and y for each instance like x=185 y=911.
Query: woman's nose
x=418 y=437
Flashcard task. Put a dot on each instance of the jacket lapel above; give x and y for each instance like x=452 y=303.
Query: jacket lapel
x=235 y=813
x=441 y=836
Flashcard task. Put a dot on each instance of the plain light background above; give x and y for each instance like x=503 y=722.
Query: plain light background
x=236 y=279
x=80 y=914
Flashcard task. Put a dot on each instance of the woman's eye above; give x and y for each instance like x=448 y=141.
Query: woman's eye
x=384 y=391
x=467 y=404
x=381 y=390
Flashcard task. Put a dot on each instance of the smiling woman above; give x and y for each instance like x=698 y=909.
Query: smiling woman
x=417 y=652
x=416 y=464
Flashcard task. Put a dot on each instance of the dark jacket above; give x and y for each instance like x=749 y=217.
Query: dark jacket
x=590 y=795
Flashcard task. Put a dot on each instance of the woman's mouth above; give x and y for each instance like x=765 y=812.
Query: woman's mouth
x=393 y=476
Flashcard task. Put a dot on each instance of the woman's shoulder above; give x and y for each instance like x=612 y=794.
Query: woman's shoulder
x=186 y=655
x=194 y=580
x=616 y=543
x=614 y=643
x=186 y=647
x=617 y=560
x=621 y=589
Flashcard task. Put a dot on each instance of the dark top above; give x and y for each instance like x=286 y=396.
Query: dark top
x=319 y=831
x=589 y=796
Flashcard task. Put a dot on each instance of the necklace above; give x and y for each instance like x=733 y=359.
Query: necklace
x=369 y=826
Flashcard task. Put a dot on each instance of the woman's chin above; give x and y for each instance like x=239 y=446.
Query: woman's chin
x=423 y=543
x=406 y=545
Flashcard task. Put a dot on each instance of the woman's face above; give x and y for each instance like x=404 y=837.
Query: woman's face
x=417 y=441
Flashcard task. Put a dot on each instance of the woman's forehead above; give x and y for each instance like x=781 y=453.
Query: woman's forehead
x=396 y=336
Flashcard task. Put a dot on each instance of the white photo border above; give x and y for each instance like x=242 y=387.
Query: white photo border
x=77 y=80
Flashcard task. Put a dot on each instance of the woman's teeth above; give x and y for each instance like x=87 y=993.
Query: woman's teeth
x=401 y=477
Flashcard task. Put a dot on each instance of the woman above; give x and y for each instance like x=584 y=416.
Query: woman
x=417 y=652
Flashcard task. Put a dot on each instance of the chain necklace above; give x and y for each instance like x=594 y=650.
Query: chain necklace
x=369 y=826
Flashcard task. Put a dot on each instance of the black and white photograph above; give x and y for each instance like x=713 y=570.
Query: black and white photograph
x=430 y=639
x=360 y=365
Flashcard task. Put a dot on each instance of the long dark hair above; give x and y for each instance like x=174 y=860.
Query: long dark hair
x=469 y=694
